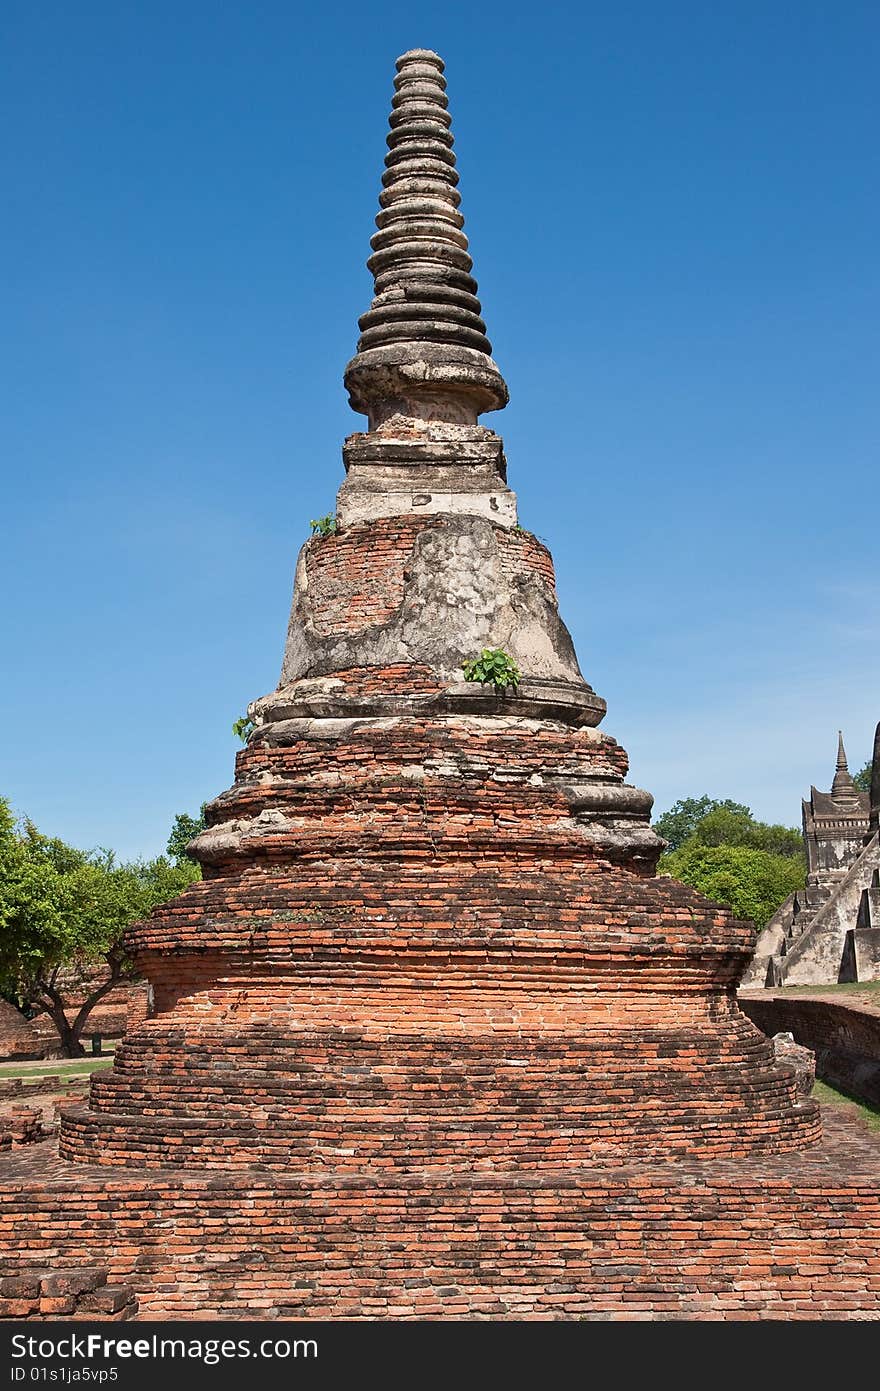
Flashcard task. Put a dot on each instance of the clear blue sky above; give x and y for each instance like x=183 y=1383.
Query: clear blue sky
x=673 y=211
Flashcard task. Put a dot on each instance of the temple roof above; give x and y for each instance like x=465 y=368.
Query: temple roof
x=824 y=804
x=844 y=801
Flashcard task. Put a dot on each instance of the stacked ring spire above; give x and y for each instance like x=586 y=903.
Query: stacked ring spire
x=424 y=289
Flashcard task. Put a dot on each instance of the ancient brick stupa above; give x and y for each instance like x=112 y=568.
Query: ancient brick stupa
x=430 y=1036
x=428 y=932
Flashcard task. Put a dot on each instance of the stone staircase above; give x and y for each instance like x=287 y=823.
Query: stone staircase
x=826 y=934
x=804 y=905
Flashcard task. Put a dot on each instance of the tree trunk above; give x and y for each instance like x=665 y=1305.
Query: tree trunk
x=70 y=1034
x=70 y=1044
x=85 y=1009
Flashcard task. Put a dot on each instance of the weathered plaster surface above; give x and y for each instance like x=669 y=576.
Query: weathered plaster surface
x=456 y=600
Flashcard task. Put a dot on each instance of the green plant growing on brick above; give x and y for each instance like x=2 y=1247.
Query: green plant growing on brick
x=323 y=526
x=243 y=728
x=494 y=668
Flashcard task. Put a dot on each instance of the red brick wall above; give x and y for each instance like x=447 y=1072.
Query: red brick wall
x=70 y=1294
x=411 y=679
x=508 y=1011
x=356 y=577
x=520 y=551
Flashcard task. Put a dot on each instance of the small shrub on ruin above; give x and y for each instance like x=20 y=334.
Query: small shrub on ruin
x=243 y=728
x=324 y=526
x=494 y=668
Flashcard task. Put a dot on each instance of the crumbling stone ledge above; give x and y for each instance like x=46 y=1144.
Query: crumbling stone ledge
x=64 y=1294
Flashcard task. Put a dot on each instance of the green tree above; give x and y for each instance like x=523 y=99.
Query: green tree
x=862 y=778
x=725 y=826
x=679 y=823
x=751 y=882
x=185 y=829
x=62 y=912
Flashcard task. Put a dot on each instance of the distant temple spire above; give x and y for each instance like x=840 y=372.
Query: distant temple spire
x=423 y=351
x=843 y=785
x=875 y=783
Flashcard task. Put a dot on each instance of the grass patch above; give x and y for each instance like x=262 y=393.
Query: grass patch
x=65 y=1067
x=830 y=1096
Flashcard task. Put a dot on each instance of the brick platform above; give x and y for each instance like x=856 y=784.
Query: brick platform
x=793 y=1237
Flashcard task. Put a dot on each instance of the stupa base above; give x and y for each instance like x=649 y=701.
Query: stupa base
x=794 y=1236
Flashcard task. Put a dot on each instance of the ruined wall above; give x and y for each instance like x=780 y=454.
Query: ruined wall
x=18 y=1036
x=845 y=1037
